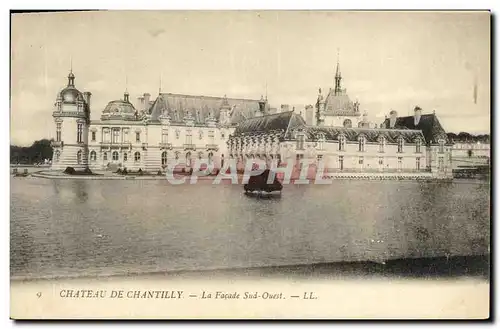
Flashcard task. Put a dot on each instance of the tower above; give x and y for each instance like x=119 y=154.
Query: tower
x=72 y=118
x=338 y=79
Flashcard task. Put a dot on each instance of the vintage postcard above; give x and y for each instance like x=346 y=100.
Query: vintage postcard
x=250 y=165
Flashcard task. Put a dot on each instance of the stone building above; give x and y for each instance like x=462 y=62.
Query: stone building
x=149 y=135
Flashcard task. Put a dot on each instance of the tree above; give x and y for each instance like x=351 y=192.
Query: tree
x=37 y=152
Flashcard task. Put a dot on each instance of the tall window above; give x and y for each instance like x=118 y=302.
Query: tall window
x=321 y=142
x=93 y=156
x=57 y=156
x=79 y=133
x=361 y=161
x=210 y=157
x=93 y=136
x=341 y=143
x=400 y=163
x=114 y=156
x=125 y=157
x=137 y=156
x=361 y=143
x=164 y=136
x=418 y=145
x=116 y=136
x=417 y=163
x=189 y=136
x=381 y=162
x=381 y=144
x=211 y=137
x=188 y=159
x=137 y=137
x=58 y=131
x=300 y=141
x=79 y=157
x=105 y=156
x=164 y=158
x=341 y=162
x=441 y=164
x=105 y=135
x=400 y=145
x=125 y=135
x=441 y=146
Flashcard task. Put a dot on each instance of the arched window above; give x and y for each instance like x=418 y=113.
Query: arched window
x=114 y=156
x=400 y=144
x=164 y=158
x=93 y=156
x=341 y=142
x=79 y=157
x=347 y=123
x=105 y=156
x=361 y=143
x=125 y=157
x=137 y=156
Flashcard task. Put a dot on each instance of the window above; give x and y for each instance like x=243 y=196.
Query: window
x=300 y=141
x=105 y=156
x=114 y=156
x=164 y=159
x=125 y=157
x=210 y=157
x=189 y=136
x=381 y=162
x=417 y=163
x=57 y=156
x=418 y=145
x=79 y=133
x=441 y=146
x=347 y=123
x=211 y=137
x=341 y=143
x=222 y=135
x=58 y=131
x=400 y=145
x=105 y=135
x=125 y=135
x=93 y=136
x=361 y=143
x=381 y=144
x=93 y=156
x=321 y=142
x=188 y=159
x=177 y=155
x=115 y=136
x=200 y=155
x=360 y=161
x=137 y=156
x=441 y=164
x=164 y=136
x=320 y=157
x=79 y=157
x=137 y=137
x=341 y=162
x=400 y=163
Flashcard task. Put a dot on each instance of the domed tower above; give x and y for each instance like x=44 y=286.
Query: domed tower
x=72 y=117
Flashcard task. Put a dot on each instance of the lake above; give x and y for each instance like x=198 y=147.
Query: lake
x=97 y=227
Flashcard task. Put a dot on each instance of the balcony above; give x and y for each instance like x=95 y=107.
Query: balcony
x=191 y=147
x=116 y=145
x=212 y=147
x=57 y=144
x=165 y=146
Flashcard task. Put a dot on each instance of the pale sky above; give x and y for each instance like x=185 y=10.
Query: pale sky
x=389 y=60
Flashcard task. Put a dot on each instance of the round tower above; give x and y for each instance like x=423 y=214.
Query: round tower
x=72 y=118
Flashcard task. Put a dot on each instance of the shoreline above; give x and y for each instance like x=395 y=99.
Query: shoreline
x=410 y=268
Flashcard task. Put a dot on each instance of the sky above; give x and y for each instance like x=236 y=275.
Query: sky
x=388 y=60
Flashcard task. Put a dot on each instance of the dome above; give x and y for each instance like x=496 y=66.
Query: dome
x=70 y=95
x=119 y=108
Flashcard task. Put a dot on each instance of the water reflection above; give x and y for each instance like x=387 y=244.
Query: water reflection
x=101 y=227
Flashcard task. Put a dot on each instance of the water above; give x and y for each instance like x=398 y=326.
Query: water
x=77 y=227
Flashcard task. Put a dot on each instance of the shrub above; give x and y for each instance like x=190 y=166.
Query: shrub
x=159 y=173
x=119 y=171
x=140 y=172
x=87 y=171
x=69 y=170
x=124 y=171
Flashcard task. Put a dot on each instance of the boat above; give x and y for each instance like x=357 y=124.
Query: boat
x=259 y=183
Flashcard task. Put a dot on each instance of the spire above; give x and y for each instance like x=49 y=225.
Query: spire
x=266 y=91
x=338 y=76
x=126 y=94
x=159 y=88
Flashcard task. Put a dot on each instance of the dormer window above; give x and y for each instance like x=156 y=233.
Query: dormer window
x=300 y=140
x=400 y=144
x=361 y=143
x=321 y=141
x=341 y=142
x=418 y=145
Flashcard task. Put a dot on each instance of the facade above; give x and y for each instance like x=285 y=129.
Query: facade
x=148 y=136
x=470 y=151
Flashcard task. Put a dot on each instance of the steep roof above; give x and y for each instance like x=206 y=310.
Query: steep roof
x=177 y=106
x=428 y=124
x=282 y=122
x=372 y=135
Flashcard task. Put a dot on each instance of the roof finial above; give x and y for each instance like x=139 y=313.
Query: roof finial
x=266 y=90
x=126 y=83
x=70 y=64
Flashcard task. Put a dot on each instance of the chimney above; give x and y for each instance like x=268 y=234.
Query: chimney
x=86 y=97
x=285 y=107
x=125 y=97
x=140 y=103
x=146 y=101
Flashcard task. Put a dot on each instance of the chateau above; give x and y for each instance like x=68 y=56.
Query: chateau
x=152 y=133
